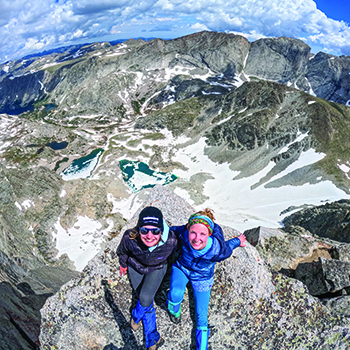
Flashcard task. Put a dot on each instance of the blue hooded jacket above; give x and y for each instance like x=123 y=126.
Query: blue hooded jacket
x=203 y=266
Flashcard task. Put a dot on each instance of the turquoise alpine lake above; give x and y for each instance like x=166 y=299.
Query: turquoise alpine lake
x=82 y=167
x=138 y=175
x=49 y=107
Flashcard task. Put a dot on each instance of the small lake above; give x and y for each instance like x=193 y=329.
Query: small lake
x=57 y=145
x=138 y=175
x=82 y=167
x=49 y=107
x=53 y=145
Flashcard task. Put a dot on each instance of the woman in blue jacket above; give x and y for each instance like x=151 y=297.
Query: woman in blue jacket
x=143 y=253
x=202 y=245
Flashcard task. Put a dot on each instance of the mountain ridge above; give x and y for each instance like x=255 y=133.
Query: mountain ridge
x=235 y=125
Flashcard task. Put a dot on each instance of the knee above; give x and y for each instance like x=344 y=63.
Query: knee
x=145 y=301
x=176 y=294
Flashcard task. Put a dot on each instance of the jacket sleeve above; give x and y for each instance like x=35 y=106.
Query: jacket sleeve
x=234 y=243
x=178 y=230
x=226 y=246
x=123 y=250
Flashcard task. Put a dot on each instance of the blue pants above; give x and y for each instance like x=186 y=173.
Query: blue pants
x=178 y=282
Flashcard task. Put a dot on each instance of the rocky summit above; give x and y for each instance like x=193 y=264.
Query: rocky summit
x=258 y=131
x=254 y=305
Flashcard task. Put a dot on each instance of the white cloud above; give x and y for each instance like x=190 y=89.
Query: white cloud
x=26 y=25
x=199 y=27
x=79 y=33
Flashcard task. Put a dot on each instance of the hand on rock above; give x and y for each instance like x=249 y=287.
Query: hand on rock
x=242 y=238
x=123 y=270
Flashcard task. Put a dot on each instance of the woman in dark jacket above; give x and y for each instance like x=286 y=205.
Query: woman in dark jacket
x=202 y=246
x=144 y=252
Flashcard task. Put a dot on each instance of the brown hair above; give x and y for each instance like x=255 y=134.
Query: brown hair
x=207 y=212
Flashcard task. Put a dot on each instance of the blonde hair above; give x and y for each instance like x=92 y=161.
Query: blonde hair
x=134 y=232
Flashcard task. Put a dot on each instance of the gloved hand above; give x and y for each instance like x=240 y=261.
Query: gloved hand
x=122 y=270
x=242 y=238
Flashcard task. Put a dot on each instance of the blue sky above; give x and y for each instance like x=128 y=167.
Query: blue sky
x=28 y=26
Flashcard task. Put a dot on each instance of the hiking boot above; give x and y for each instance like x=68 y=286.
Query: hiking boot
x=174 y=311
x=175 y=319
x=135 y=326
x=158 y=345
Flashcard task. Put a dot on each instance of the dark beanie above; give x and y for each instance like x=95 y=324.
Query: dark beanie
x=150 y=216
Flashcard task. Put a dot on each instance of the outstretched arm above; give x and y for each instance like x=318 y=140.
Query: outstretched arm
x=237 y=241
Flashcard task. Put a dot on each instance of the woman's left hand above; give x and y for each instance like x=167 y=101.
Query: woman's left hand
x=122 y=270
x=242 y=238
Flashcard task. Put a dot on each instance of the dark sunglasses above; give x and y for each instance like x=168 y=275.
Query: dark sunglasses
x=145 y=230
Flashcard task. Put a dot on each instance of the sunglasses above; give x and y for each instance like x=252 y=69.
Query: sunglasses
x=155 y=231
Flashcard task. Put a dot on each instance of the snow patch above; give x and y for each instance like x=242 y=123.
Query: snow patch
x=18 y=205
x=238 y=205
x=311 y=92
x=298 y=139
x=27 y=204
x=224 y=120
x=82 y=241
x=344 y=168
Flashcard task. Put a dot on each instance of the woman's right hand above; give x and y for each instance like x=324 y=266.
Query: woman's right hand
x=122 y=270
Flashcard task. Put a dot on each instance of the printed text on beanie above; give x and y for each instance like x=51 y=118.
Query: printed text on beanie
x=150 y=216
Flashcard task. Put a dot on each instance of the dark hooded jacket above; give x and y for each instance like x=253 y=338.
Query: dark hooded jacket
x=132 y=252
x=203 y=267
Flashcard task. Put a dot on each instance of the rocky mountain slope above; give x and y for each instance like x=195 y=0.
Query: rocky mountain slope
x=254 y=130
x=253 y=305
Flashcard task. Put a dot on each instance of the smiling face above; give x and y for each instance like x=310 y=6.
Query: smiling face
x=198 y=236
x=150 y=239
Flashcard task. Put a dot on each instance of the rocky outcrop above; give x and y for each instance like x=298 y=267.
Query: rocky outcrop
x=321 y=264
x=285 y=251
x=20 y=316
x=330 y=220
x=252 y=305
x=25 y=278
x=282 y=59
x=324 y=276
x=328 y=77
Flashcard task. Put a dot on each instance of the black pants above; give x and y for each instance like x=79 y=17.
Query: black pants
x=146 y=286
